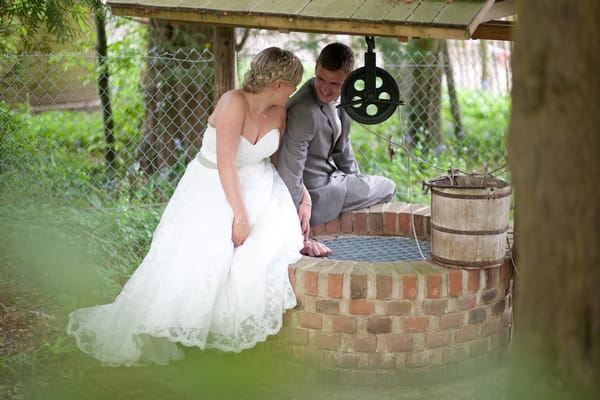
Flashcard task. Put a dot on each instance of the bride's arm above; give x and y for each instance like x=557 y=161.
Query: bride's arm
x=229 y=120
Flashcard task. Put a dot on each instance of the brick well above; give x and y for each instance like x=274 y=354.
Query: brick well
x=393 y=321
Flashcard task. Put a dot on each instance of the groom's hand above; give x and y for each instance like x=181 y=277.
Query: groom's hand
x=313 y=248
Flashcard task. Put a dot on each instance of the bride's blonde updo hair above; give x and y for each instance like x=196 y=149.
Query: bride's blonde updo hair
x=270 y=65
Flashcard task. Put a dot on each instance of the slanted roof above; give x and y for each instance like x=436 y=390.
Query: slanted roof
x=448 y=19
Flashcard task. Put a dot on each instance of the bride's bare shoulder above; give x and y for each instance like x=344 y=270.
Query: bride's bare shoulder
x=231 y=102
x=235 y=96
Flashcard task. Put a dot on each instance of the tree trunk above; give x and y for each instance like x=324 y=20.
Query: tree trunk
x=485 y=75
x=555 y=162
x=104 y=93
x=454 y=105
x=179 y=86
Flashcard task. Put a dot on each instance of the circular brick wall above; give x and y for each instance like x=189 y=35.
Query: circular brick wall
x=386 y=323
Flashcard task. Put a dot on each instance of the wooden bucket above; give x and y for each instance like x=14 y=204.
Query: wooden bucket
x=469 y=220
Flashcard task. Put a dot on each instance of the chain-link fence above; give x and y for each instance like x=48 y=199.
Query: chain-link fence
x=80 y=148
x=63 y=144
x=456 y=113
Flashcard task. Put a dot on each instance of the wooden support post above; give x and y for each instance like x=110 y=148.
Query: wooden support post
x=224 y=60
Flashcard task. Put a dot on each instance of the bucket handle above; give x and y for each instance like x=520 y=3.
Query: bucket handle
x=452 y=172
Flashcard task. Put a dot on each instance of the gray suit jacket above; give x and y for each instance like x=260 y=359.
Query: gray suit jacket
x=310 y=156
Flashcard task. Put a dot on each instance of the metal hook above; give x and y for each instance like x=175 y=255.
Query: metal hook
x=370 y=43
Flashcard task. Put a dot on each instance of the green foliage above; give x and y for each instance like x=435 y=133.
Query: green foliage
x=63 y=152
x=130 y=43
x=310 y=43
x=48 y=166
x=46 y=156
x=485 y=117
x=73 y=253
x=24 y=22
x=20 y=364
x=381 y=149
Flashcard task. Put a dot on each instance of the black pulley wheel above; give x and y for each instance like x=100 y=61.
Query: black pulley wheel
x=370 y=102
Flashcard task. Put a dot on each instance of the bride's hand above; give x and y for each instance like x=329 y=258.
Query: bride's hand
x=239 y=232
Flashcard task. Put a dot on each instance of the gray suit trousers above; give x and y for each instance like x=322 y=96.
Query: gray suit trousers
x=366 y=190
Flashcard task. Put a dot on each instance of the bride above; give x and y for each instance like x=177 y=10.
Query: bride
x=215 y=275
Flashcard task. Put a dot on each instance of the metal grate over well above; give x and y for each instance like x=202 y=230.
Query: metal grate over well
x=376 y=249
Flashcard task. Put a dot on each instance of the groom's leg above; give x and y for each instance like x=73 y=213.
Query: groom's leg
x=367 y=190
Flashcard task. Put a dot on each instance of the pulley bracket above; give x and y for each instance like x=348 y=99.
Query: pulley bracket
x=369 y=94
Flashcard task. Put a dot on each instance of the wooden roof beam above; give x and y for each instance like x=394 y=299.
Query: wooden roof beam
x=494 y=30
x=298 y=24
x=501 y=9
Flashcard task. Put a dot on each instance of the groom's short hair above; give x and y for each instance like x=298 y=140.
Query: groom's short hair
x=335 y=57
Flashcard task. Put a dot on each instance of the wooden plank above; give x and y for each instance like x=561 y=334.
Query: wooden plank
x=122 y=2
x=153 y=3
x=292 y=7
x=144 y=3
x=375 y=10
x=459 y=12
x=219 y=5
x=501 y=9
x=494 y=30
x=401 y=11
x=161 y=3
x=477 y=19
x=359 y=28
x=426 y=11
x=330 y=8
x=392 y=11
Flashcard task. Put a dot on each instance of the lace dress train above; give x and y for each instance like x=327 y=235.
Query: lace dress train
x=194 y=287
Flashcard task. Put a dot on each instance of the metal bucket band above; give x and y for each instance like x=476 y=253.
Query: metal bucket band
x=468 y=264
x=472 y=233
x=451 y=182
x=471 y=196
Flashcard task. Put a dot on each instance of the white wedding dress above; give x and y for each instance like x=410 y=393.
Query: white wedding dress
x=194 y=287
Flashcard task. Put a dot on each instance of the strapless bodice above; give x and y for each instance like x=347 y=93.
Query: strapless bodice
x=247 y=152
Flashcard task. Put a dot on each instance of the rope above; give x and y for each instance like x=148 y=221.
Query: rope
x=501 y=169
x=392 y=142
x=412 y=215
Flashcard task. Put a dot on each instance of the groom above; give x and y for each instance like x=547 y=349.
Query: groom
x=316 y=153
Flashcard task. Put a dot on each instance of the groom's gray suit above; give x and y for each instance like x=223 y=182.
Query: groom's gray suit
x=311 y=156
